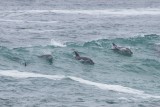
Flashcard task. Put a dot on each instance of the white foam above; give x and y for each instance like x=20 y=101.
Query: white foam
x=27 y=21
x=40 y=31
x=157 y=43
x=18 y=74
x=111 y=12
x=130 y=12
x=117 y=88
x=57 y=43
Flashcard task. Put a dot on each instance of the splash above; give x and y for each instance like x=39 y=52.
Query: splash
x=57 y=43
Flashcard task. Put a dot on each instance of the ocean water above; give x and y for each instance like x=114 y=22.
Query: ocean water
x=31 y=28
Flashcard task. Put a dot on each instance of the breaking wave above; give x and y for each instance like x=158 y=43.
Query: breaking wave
x=116 y=88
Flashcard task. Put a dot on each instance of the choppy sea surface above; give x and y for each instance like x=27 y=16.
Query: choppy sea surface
x=30 y=28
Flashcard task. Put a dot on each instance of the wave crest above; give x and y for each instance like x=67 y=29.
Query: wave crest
x=117 y=88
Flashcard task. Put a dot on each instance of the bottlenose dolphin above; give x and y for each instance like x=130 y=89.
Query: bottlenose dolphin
x=83 y=59
x=122 y=50
x=48 y=57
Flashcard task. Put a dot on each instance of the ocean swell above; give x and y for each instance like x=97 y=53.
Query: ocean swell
x=116 y=88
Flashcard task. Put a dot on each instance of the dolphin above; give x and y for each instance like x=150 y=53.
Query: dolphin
x=83 y=59
x=121 y=50
x=47 y=57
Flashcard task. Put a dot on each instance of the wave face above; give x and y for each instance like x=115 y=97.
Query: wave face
x=125 y=78
x=38 y=66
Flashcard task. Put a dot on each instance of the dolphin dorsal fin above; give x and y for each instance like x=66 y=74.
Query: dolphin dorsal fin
x=76 y=53
x=114 y=44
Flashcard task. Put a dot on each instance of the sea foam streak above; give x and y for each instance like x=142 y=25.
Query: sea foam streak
x=18 y=74
x=27 y=21
x=130 y=12
x=117 y=88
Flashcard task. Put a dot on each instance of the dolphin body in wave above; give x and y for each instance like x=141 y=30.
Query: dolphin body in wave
x=85 y=60
x=122 y=50
x=47 y=57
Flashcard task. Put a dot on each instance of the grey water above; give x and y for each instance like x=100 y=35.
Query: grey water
x=31 y=28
